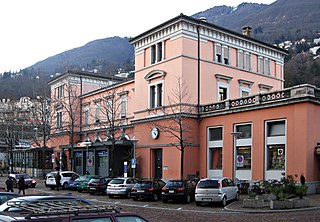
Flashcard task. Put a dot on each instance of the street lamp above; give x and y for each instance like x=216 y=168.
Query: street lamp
x=236 y=135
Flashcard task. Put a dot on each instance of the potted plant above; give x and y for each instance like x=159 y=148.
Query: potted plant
x=281 y=201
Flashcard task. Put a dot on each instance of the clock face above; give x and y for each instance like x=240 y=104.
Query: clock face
x=154 y=133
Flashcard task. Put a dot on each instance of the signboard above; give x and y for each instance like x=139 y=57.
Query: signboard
x=83 y=144
x=125 y=164
x=133 y=163
x=240 y=161
x=52 y=158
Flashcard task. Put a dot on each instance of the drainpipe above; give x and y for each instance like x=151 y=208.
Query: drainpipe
x=198 y=105
x=81 y=109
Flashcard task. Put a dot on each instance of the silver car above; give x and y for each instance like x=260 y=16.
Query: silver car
x=121 y=186
x=217 y=189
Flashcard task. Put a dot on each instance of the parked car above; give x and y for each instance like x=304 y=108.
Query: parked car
x=72 y=184
x=83 y=181
x=121 y=186
x=5 y=196
x=28 y=180
x=46 y=177
x=13 y=204
x=65 y=178
x=182 y=190
x=65 y=210
x=147 y=189
x=217 y=189
x=98 y=185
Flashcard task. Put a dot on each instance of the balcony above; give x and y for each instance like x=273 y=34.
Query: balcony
x=290 y=95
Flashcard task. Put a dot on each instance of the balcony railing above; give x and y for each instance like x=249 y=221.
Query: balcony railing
x=290 y=93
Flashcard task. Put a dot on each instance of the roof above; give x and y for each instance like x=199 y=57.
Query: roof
x=87 y=74
x=203 y=24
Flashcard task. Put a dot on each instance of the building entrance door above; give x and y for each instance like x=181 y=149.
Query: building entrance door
x=158 y=163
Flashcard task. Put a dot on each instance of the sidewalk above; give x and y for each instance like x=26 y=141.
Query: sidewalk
x=237 y=206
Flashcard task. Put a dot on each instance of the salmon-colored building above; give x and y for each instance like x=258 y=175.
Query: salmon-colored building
x=203 y=94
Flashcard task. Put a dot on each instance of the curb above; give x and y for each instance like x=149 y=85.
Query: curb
x=259 y=211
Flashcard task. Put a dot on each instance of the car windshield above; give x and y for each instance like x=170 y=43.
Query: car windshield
x=143 y=184
x=174 y=184
x=117 y=181
x=208 y=184
x=25 y=176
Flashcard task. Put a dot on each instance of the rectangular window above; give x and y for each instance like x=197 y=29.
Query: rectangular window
x=276 y=128
x=243 y=160
x=156 y=95
x=260 y=65
x=215 y=158
x=159 y=52
x=276 y=157
x=86 y=116
x=123 y=106
x=247 y=61
x=97 y=110
x=59 y=119
x=153 y=54
x=245 y=131
x=60 y=92
x=244 y=92
x=240 y=59
x=226 y=55
x=223 y=93
x=215 y=134
x=266 y=67
x=218 y=50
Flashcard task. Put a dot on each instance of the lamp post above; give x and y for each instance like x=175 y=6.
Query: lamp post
x=236 y=135
x=134 y=160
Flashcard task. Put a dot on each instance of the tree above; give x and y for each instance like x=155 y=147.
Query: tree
x=112 y=107
x=179 y=115
x=66 y=106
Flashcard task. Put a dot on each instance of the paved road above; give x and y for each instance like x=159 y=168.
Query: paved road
x=174 y=212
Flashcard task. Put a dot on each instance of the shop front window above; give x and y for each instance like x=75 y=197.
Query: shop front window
x=215 y=161
x=276 y=154
x=243 y=158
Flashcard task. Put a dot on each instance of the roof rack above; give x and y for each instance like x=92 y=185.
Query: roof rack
x=39 y=208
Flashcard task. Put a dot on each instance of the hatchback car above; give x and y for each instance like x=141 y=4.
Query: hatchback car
x=121 y=187
x=147 y=189
x=182 y=190
x=218 y=189
x=82 y=183
x=27 y=179
x=65 y=178
x=98 y=185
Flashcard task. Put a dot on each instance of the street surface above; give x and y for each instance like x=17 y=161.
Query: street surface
x=174 y=212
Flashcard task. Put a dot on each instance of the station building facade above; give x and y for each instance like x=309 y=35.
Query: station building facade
x=224 y=89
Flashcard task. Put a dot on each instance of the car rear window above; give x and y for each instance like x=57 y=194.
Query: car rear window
x=145 y=184
x=117 y=181
x=208 y=184
x=174 y=184
x=95 y=180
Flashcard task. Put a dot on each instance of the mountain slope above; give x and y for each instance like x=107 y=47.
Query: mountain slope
x=96 y=54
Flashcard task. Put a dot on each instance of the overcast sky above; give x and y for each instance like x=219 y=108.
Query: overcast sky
x=33 y=30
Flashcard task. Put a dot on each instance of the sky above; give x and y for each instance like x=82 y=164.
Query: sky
x=33 y=30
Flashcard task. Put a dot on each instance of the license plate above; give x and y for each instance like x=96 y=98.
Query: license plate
x=171 y=191
x=206 y=199
x=139 y=191
x=92 y=188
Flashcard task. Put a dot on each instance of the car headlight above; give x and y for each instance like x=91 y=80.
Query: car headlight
x=34 y=181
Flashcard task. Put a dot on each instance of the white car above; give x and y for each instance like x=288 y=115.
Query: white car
x=121 y=186
x=217 y=189
x=65 y=178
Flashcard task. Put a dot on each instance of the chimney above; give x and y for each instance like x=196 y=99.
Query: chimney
x=203 y=19
x=246 y=31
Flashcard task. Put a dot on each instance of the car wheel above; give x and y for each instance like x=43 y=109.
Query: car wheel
x=155 y=197
x=164 y=200
x=65 y=186
x=134 y=198
x=80 y=191
x=110 y=196
x=91 y=193
x=187 y=199
x=224 y=201
x=237 y=197
x=198 y=203
x=52 y=188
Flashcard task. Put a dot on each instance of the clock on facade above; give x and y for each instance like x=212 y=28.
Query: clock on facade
x=155 y=133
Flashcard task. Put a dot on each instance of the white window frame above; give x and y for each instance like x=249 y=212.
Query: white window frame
x=275 y=140
x=60 y=92
x=212 y=145
x=222 y=85
x=86 y=115
x=155 y=49
x=97 y=112
x=156 y=105
x=123 y=105
x=244 y=89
